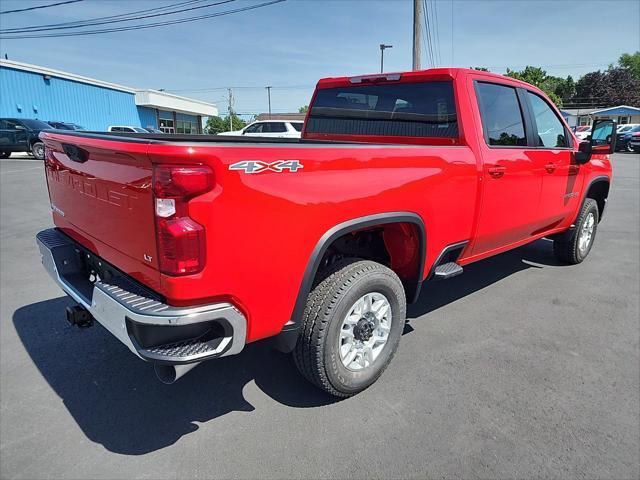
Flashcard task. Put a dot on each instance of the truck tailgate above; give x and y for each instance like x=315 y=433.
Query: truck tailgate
x=101 y=195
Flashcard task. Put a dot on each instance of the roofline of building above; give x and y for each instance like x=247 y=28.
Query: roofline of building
x=617 y=106
x=176 y=97
x=203 y=108
x=65 y=75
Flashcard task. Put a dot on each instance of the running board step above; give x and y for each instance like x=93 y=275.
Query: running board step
x=447 y=270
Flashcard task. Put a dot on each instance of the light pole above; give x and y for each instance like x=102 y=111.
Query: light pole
x=382 y=47
x=269 y=97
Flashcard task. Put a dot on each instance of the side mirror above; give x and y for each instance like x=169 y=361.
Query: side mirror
x=601 y=141
x=19 y=127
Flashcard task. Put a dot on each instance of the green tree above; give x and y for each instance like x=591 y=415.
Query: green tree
x=538 y=77
x=615 y=86
x=631 y=61
x=303 y=109
x=216 y=125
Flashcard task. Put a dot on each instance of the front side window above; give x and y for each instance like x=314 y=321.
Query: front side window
x=550 y=131
x=501 y=115
x=255 y=128
x=425 y=109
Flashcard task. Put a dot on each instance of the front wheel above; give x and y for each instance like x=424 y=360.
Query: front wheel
x=629 y=147
x=574 y=245
x=4 y=154
x=351 y=327
x=37 y=150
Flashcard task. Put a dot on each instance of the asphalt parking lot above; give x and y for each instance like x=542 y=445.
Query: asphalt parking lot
x=519 y=368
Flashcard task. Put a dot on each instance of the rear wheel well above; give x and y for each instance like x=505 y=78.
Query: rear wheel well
x=599 y=191
x=395 y=245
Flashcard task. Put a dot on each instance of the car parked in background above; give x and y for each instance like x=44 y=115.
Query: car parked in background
x=66 y=126
x=153 y=130
x=270 y=128
x=624 y=135
x=583 y=132
x=634 y=142
x=126 y=129
x=21 y=135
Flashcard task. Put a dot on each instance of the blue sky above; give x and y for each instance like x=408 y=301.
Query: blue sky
x=292 y=44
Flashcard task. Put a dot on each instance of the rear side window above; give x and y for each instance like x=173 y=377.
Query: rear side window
x=550 y=130
x=501 y=115
x=402 y=110
x=274 y=127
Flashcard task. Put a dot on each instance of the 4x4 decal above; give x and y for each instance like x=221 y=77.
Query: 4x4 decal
x=258 y=166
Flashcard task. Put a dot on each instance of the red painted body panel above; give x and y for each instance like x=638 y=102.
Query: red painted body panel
x=261 y=228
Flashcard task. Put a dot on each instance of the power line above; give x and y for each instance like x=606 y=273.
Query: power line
x=109 y=17
x=91 y=23
x=144 y=26
x=437 y=28
x=428 y=33
x=213 y=89
x=40 y=6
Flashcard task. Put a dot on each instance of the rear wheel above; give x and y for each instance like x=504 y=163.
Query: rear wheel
x=4 y=154
x=352 y=325
x=37 y=150
x=574 y=245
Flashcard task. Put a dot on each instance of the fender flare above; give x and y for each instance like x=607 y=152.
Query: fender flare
x=285 y=341
x=598 y=179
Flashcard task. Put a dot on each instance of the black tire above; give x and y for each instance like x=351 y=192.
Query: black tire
x=316 y=353
x=37 y=150
x=629 y=147
x=4 y=154
x=567 y=245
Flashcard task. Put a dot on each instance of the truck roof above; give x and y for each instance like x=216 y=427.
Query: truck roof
x=416 y=75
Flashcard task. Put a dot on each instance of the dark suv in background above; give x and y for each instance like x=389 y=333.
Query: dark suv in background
x=21 y=135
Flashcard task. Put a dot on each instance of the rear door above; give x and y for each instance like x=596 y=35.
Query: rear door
x=511 y=179
x=101 y=195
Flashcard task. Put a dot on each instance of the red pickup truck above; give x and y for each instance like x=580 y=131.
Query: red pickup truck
x=186 y=248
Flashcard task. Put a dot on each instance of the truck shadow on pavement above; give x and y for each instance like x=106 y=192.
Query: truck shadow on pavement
x=117 y=401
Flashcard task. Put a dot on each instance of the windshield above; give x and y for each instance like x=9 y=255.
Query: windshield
x=140 y=130
x=36 y=124
x=297 y=126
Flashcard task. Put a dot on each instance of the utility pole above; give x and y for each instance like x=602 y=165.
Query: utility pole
x=418 y=13
x=230 y=109
x=269 y=97
x=382 y=47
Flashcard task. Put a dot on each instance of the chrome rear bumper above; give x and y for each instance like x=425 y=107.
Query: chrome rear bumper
x=151 y=329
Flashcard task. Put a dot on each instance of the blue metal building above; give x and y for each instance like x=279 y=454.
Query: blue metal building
x=31 y=91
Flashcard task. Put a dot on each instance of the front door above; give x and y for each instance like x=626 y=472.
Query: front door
x=511 y=180
x=561 y=184
x=13 y=135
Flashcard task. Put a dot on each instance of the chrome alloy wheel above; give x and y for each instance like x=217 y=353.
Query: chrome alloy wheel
x=364 y=331
x=586 y=233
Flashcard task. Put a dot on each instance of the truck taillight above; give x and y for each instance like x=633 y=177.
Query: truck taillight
x=181 y=240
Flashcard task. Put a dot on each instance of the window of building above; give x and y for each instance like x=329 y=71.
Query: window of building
x=550 y=130
x=501 y=115
x=183 y=126
x=166 y=126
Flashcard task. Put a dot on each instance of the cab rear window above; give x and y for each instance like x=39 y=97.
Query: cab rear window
x=399 y=110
